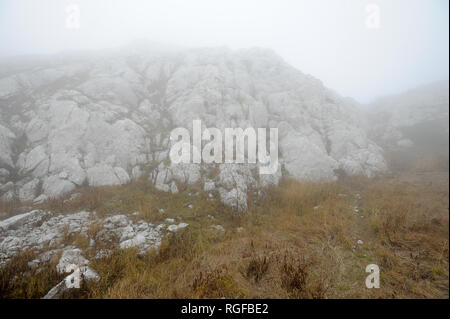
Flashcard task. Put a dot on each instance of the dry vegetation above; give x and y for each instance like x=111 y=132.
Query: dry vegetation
x=300 y=241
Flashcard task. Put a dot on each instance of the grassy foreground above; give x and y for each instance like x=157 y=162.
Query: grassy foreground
x=302 y=240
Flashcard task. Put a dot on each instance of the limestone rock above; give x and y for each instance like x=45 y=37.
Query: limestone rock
x=28 y=191
x=70 y=260
x=113 y=124
x=54 y=186
x=174 y=228
x=38 y=229
x=209 y=186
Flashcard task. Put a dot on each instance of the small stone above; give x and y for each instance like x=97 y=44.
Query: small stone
x=174 y=228
x=34 y=263
x=218 y=227
x=102 y=253
x=138 y=240
x=40 y=199
x=173 y=188
x=209 y=186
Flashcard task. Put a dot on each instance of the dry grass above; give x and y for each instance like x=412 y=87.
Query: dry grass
x=300 y=241
x=17 y=280
x=257 y=267
x=409 y=225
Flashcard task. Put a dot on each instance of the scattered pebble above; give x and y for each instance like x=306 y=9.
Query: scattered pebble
x=34 y=263
x=174 y=228
x=103 y=253
x=218 y=227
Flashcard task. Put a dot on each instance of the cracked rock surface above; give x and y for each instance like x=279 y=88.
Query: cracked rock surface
x=39 y=230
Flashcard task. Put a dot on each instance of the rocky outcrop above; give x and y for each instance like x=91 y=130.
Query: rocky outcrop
x=38 y=229
x=45 y=234
x=105 y=120
x=70 y=260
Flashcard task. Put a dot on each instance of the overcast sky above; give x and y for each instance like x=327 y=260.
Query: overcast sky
x=356 y=48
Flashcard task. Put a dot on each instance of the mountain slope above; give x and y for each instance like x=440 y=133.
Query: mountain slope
x=104 y=118
x=413 y=126
x=392 y=117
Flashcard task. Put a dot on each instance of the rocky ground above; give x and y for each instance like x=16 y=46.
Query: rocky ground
x=47 y=235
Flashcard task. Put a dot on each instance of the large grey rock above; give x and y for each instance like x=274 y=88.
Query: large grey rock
x=28 y=191
x=234 y=181
x=101 y=175
x=7 y=187
x=54 y=186
x=71 y=259
x=36 y=161
x=8 y=196
x=21 y=220
x=142 y=235
x=4 y=174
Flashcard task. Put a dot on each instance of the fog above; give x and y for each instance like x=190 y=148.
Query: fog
x=361 y=49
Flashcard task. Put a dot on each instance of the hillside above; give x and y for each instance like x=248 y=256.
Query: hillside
x=104 y=118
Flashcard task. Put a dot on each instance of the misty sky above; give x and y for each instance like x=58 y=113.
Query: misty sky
x=337 y=41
